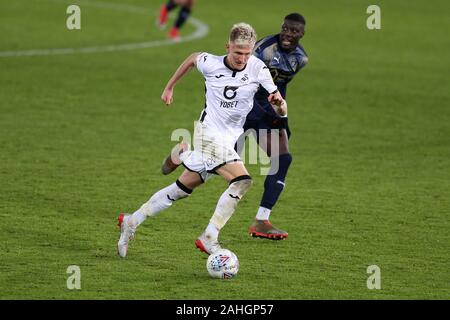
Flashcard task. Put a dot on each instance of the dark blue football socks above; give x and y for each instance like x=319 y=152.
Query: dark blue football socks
x=274 y=183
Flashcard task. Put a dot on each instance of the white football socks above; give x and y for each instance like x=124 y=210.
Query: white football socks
x=160 y=201
x=137 y=218
x=228 y=201
x=212 y=231
x=263 y=213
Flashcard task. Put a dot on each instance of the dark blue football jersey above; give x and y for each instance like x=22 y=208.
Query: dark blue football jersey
x=282 y=65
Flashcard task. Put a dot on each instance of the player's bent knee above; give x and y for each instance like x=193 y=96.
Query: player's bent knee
x=286 y=159
x=283 y=160
x=240 y=185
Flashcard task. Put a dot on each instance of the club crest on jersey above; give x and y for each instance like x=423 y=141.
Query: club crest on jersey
x=244 y=78
x=293 y=61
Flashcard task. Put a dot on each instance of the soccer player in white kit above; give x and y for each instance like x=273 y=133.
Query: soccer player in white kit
x=231 y=83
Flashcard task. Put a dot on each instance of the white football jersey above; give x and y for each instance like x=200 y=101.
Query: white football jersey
x=229 y=92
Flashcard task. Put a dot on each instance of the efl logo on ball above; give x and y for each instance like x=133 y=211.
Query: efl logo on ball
x=222 y=264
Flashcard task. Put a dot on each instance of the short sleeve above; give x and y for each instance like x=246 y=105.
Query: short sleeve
x=203 y=62
x=265 y=79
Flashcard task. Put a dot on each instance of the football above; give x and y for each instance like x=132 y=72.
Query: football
x=222 y=264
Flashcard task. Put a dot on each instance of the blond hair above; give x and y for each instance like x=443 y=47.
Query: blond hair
x=242 y=34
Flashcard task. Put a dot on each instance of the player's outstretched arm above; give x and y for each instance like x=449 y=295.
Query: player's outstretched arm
x=275 y=98
x=188 y=64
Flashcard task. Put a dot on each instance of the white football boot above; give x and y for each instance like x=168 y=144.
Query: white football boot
x=207 y=244
x=126 y=234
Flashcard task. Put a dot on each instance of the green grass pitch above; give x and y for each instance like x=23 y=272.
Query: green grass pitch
x=83 y=135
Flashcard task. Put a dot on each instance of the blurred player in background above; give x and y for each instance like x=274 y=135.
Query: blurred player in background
x=284 y=56
x=231 y=82
x=183 y=15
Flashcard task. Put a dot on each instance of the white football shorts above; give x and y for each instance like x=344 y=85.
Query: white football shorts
x=212 y=149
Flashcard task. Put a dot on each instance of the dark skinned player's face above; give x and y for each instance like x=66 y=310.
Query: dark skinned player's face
x=291 y=33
